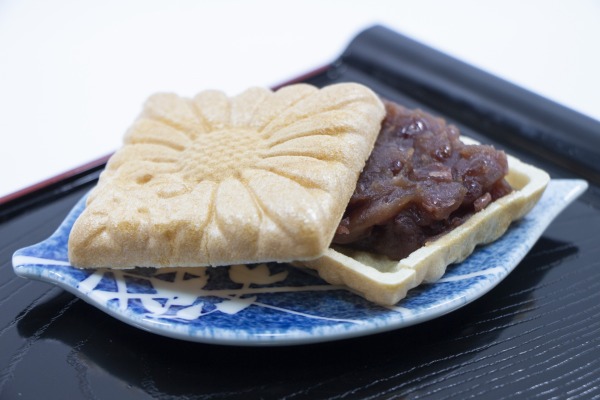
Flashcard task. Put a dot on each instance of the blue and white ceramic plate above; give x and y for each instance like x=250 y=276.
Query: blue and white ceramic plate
x=276 y=304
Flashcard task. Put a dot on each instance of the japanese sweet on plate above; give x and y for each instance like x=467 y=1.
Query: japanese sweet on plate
x=369 y=194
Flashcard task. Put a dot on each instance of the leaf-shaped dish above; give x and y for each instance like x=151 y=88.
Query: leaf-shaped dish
x=277 y=304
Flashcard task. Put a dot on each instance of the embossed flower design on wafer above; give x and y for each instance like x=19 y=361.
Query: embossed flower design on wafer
x=216 y=180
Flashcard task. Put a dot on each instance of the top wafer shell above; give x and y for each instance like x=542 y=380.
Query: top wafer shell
x=214 y=180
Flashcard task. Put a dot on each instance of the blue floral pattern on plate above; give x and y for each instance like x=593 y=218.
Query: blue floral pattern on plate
x=277 y=304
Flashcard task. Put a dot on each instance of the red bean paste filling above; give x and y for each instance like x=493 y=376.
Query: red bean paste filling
x=420 y=182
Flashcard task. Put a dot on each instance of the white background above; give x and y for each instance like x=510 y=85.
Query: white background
x=74 y=73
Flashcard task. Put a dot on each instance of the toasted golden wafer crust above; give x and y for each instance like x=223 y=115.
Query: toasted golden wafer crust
x=384 y=281
x=214 y=180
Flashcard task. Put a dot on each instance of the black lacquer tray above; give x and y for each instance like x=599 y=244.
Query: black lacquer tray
x=535 y=335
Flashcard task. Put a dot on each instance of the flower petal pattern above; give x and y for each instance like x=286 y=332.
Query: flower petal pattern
x=218 y=180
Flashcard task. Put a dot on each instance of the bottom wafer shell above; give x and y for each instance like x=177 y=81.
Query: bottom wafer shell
x=385 y=281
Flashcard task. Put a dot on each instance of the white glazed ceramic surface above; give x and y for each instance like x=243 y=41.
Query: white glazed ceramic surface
x=277 y=304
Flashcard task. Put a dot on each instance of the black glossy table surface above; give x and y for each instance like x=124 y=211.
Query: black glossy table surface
x=535 y=335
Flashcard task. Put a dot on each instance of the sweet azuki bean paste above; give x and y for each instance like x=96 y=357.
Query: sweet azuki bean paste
x=419 y=182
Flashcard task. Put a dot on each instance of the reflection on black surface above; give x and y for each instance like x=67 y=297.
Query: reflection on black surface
x=102 y=348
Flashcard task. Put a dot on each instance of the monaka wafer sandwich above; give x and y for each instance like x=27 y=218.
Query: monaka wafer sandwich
x=369 y=194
